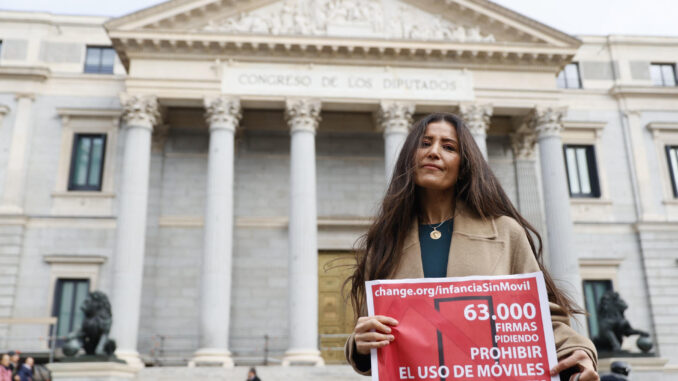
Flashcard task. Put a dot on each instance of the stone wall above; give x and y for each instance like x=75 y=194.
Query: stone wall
x=350 y=182
x=660 y=261
x=11 y=246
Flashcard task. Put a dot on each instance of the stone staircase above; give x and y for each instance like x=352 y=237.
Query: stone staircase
x=239 y=373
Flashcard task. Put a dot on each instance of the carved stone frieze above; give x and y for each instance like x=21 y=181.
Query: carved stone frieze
x=302 y=114
x=395 y=116
x=476 y=117
x=223 y=112
x=347 y=18
x=140 y=110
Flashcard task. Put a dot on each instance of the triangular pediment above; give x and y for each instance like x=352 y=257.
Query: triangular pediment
x=393 y=32
x=371 y=19
x=459 y=21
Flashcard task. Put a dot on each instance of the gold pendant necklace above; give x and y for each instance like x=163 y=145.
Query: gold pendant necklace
x=435 y=234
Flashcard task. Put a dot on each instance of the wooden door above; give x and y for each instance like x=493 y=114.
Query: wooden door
x=335 y=313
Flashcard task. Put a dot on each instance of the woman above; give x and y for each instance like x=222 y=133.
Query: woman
x=252 y=375
x=5 y=372
x=445 y=202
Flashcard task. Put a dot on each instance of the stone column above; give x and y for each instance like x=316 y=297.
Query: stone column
x=223 y=116
x=477 y=119
x=140 y=114
x=395 y=120
x=563 y=258
x=529 y=200
x=303 y=116
x=647 y=210
x=12 y=201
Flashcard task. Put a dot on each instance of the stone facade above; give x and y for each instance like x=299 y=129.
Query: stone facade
x=628 y=235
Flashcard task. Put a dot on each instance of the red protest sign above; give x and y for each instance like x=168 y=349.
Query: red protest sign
x=473 y=328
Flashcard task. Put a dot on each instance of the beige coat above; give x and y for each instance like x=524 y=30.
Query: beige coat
x=486 y=247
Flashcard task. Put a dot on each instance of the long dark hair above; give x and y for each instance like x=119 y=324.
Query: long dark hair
x=379 y=250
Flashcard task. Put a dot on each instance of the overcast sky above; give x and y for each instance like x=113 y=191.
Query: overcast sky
x=639 y=17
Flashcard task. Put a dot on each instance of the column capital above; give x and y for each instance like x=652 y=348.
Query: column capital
x=223 y=112
x=395 y=116
x=140 y=110
x=523 y=142
x=3 y=110
x=302 y=114
x=632 y=113
x=477 y=117
x=547 y=121
x=29 y=96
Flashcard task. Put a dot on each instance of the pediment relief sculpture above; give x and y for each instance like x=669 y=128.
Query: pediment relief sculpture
x=347 y=18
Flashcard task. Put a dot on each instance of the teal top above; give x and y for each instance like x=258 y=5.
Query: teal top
x=434 y=252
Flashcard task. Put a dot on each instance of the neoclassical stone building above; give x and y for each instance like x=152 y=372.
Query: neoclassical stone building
x=208 y=162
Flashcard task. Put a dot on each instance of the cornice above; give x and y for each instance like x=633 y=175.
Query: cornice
x=52 y=19
x=89 y=112
x=628 y=40
x=643 y=91
x=566 y=38
x=583 y=125
x=659 y=126
x=657 y=226
x=601 y=262
x=66 y=258
x=156 y=36
x=160 y=42
x=25 y=73
x=149 y=11
x=665 y=41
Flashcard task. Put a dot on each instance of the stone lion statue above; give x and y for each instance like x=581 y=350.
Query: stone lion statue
x=612 y=323
x=96 y=325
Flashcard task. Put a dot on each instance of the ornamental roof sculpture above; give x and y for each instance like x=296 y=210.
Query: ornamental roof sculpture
x=347 y=18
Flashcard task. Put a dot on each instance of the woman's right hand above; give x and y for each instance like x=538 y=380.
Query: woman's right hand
x=373 y=332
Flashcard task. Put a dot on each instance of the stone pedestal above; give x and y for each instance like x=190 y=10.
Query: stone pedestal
x=643 y=368
x=92 y=371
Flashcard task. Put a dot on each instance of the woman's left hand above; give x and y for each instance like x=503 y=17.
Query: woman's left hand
x=579 y=359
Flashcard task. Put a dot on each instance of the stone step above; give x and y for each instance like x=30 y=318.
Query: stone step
x=239 y=373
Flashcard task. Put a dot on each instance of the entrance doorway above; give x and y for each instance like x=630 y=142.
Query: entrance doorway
x=335 y=313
